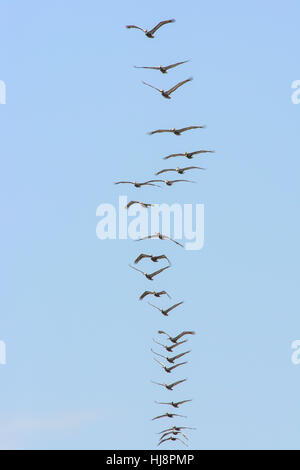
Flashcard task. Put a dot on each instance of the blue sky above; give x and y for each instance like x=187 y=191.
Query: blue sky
x=75 y=120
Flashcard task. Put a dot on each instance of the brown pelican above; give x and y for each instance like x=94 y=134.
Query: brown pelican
x=167 y=93
x=176 y=131
x=171 y=438
x=166 y=312
x=150 y=276
x=171 y=360
x=174 y=433
x=176 y=338
x=168 y=415
x=152 y=257
x=180 y=170
x=143 y=204
x=156 y=294
x=169 y=369
x=161 y=68
x=188 y=154
x=172 y=403
x=170 y=386
x=176 y=429
x=161 y=237
x=171 y=182
x=139 y=185
x=150 y=33
x=172 y=346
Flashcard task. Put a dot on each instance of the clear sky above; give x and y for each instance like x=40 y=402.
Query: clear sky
x=75 y=120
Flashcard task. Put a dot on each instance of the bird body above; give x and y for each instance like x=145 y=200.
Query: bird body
x=170 y=386
x=139 y=185
x=169 y=369
x=161 y=68
x=167 y=93
x=180 y=171
x=172 y=403
x=188 y=155
x=155 y=294
x=171 y=182
x=161 y=237
x=153 y=258
x=150 y=33
x=168 y=415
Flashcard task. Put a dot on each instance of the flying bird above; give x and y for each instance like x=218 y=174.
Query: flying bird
x=139 y=185
x=163 y=69
x=180 y=170
x=171 y=360
x=161 y=237
x=167 y=93
x=153 y=258
x=150 y=33
x=174 y=433
x=188 y=154
x=171 y=438
x=168 y=415
x=169 y=369
x=176 y=338
x=156 y=294
x=176 y=429
x=171 y=182
x=170 y=386
x=171 y=347
x=143 y=204
x=176 y=131
x=172 y=403
x=166 y=312
x=150 y=276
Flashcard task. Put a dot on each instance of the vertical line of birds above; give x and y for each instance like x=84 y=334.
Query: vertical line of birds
x=172 y=433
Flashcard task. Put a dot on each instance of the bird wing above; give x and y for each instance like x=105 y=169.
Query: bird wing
x=140 y=257
x=122 y=182
x=145 y=238
x=163 y=366
x=157 y=383
x=153 y=306
x=157 y=417
x=152 y=68
x=182 y=402
x=160 y=344
x=163 y=257
x=155 y=181
x=202 y=151
x=135 y=269
x=130 y=26
x=183 y=333
x=154 y=352
x=190 y=127
x=181 y=181
x=177 y=243
x=173 y=306
x=160 y=24
x=165 y=170
x=131 y=203
x=163 y=403
x=175 y=65
x=178 y=85
x=163 y=440
x=161 y=332
x=158 y=131
x=193 y=168
x=159 y=271
x=180 y=355
x=147 y=292
x=176 y=365
x=163 y=292
x=177 y=344
x=145 y=83
x=178 y=382
x=174 y=155
x=178 y=439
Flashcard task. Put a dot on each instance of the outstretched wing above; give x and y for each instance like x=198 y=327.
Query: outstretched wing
x=140 y=257
x=122 y=182
x=174 y=155
x=153 y=305
x=177 y=243
x=182 y=402
x=176 y=344
x=202 y=151
x=161 y=332
x=173 y=306
x=154 y=352
x=145 y=83
x=178 y=85
x=163 y=257
x=145 y=238
x=178 y=382
x=160 y=24
x=157 y=417
x=182 y=181
x=193 y=168
x=131 y=203
x=163 y=292
x=130 y=26
x=180 y=355
x=175 y=65
x=136 y=269
x=184 y=333
x=163 y=440
x=152 y=68
x=190 y=127
x=159 y=271
x=177 y=365
x=144 y=294
x=165 y=170
x=158 y=131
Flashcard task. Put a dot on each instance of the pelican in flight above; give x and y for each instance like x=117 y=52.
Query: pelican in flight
x=174 y=433
x=171 y=182
x=153 y=258
x=168 y=415
x=161 y=68
x=161 y=237
x=150 y=33
x=188 y=154
x=171 y=438
x=156 y=294
x=170 y=386
x=143 y=204
x=167 y=93
x=171 y=360
x=176 y=338
x=169 y=369
x=176 y=131
x=171 y=347
x=139 y=185
x=180 y=171
x=150 y=276
x=166 y=312
x=173 y=403
x=176 y=429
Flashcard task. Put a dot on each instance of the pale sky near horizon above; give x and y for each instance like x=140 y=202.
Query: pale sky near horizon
x=75 y=120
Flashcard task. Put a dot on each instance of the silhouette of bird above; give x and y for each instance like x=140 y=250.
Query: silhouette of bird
x=180 y=170
x=139 y=185
x=176 y=338
x=153 y=258
x=171 y=360
x=170 y=386
x=176 y=429
x=166 y=312
x=174 y=433
x=167 y=93
x=172 y=346
x=169 y=369
x=156 y=294
x=143 y=204
x=161 y=237
x=188 y=154
x=176 y=131
x=150 y=33
x=172 y=403
x=168 y=415
x=150 y=276
x=171 y=438
x=171 y=182
x=161 y=68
